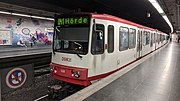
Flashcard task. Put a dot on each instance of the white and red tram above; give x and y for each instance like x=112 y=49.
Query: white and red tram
x=89 y=46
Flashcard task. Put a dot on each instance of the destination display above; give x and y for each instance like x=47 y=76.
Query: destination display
x=73 y=21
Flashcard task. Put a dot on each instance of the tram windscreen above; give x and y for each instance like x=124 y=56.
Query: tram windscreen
x=72 y=34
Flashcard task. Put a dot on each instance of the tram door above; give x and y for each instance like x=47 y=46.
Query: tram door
x=97 y=49
x=139 y=44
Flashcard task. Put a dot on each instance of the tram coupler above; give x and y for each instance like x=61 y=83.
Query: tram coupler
x=53 y=91
x=60 y=91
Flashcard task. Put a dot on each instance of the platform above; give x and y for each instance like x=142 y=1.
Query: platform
x=31 y=64
x=19 y=51
x=156 y=79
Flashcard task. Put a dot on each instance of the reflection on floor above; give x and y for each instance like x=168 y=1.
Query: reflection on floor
x=157 y=79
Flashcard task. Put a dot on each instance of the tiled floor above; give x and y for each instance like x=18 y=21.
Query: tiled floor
x=157 y=79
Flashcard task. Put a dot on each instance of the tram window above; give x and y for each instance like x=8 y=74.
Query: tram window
x=110 y=39
x=72 y=40
x=146 y=38
x=154 y=38
x=97 y=39
x=163 y=37
x=158 y=38
x=123 y=38
x=132 y=38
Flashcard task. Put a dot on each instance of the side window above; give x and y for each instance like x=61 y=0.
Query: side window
x=97 y=39
x=158 y=37
x=110 y=39
x=152 y=39
x=123 y=38
x=146 y=38
x=132 y=38
x=163 y=37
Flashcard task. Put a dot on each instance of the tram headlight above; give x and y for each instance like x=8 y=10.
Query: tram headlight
x=51 y=68
x=54 y=70
x=75 y=74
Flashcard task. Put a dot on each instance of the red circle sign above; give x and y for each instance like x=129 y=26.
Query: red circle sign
x=16 y=78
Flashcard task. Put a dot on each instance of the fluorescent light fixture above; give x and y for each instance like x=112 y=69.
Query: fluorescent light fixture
x=24 y=15
x=2 y=12
x=157 y=6
x=50 y=19
x=169 y=23
x=160 y=10
x=152 y=1
x=38 y=17
x=44 y=18
x=21 y=15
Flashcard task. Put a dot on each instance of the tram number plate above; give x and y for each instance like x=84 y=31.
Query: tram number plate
x=63 y=71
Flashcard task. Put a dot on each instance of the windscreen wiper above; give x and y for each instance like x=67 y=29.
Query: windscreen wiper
x=75 y=51
x=78 y=55
x=80 y=47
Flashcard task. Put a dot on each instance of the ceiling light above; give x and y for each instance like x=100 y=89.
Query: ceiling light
x=21 y=15
x=152 y=1
x=160 y=10
x=38 y=17
x=24 y=15
x=2 y=12
x=50 y=19
x=169 y=23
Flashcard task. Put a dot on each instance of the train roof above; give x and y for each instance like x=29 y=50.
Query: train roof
x=117 y=19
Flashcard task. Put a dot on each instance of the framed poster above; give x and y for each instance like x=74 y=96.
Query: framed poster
x=5 y=37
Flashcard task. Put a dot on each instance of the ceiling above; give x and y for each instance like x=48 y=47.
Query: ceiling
x=173 y=11
x=133 y=10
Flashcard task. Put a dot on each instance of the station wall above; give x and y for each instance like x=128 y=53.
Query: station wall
x=175 y=37
x=15 y=31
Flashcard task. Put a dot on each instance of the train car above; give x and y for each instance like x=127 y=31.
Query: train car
x=90 y=46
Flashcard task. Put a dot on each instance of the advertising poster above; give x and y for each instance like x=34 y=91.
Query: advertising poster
x=5 y=37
